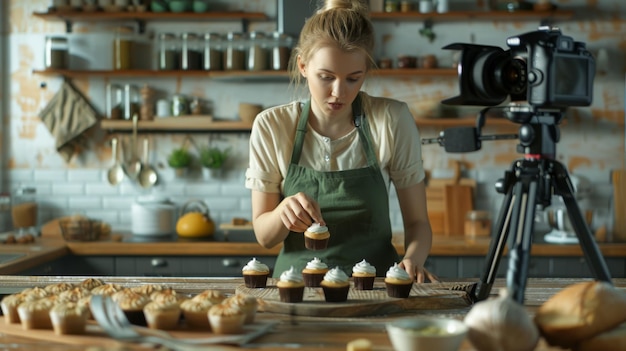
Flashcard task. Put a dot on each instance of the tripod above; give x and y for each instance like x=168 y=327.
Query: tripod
x=531 y=181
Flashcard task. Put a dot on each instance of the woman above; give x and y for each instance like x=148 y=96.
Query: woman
x=330 y=160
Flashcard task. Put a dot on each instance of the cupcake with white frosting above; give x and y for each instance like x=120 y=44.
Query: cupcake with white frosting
x=313 y=272
x=291 y=286
x=363 y=275
x=316 y=237
x=255 y=274
x=336 y=285
x=398 y=282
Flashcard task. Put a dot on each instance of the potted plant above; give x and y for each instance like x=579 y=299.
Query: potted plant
x=180 y=159
x=213 y=158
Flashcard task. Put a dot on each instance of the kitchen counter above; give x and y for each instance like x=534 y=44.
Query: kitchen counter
x=301 y=332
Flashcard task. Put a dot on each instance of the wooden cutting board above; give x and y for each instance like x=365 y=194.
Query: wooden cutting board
x=429 y=296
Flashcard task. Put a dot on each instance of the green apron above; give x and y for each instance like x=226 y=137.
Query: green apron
x=354 y=203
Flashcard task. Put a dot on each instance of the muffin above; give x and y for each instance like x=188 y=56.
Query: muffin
x=35 y=293
x=74 y=294
x=195 y=313
x=255 y=274
x=167 y=295
x=9 y=307
x=226 y=318
x=54 y=289
x=313 y=272
x=398 y=282
x=336 y=285
x=91 y=283
x=35 y=314
x=363 y=275
x=291 y=286
x=316 y=237
x=146 y=289
x=162 y=315
x=132 y=304
x=68 y=318
x=211 y=295
x=107 y=289
x=247 y=303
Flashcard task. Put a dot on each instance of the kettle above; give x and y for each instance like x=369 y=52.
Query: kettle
x=195 y=221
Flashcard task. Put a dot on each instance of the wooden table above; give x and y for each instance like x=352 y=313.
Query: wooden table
x=302 y=332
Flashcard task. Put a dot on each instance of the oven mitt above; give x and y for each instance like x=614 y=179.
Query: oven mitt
x=67 y=116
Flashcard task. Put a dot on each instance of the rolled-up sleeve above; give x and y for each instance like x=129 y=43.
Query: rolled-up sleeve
x=406 y=166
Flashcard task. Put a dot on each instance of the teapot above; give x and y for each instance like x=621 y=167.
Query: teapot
x=195 y=221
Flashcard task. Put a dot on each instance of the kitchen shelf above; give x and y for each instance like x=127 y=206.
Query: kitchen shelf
x=141 y=17
x=191 y=124
x=469 y=15
x=230 y=75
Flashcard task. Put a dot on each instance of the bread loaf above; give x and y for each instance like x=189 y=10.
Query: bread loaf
x=614 y=340
x=580 y=312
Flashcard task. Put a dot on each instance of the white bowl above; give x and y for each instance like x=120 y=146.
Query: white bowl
x=426 y=334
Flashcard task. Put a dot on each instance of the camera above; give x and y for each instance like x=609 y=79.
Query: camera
x=543 y=68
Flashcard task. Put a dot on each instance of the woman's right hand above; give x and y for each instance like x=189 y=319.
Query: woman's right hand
x=299 y=211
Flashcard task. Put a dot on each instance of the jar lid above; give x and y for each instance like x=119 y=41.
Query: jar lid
x=212 y=36
x=256 y=35
x=234 y=35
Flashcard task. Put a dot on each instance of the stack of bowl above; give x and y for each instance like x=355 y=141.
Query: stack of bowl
x=153 y=216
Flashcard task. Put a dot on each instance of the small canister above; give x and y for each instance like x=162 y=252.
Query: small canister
x=256 y=59
x=280 y=51
x=477 y=224
x=212 y=52
x=57 y=53
x=234 y=52
x=191 y=52
x=169 y=52
x=180 y=106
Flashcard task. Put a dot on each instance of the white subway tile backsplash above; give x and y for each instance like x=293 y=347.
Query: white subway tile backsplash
x=85 y=203
x=54 y=175
x=101 y=189
x=68 y=189
x=86 y=175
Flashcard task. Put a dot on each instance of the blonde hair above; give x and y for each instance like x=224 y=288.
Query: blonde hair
x=342 y=23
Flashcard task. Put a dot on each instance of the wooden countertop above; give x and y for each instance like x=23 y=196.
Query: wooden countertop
x=301 y=332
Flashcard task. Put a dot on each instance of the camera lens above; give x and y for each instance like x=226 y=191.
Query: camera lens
x=511 y=77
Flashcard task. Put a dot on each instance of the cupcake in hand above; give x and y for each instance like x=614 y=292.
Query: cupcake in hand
x=336 y=285
x=255 y=274
x=363 y=275
x=291 y=286
x=314 y=272
x=316 y=237
x=398 y=282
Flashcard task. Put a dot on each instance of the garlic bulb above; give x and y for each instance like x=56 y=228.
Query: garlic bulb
x=501 y=324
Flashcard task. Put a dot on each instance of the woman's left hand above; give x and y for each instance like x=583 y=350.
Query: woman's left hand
x=417 y=272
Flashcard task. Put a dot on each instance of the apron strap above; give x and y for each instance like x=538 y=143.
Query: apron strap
x=300 y=133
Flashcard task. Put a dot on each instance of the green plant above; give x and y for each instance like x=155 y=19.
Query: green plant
x=213 y=157
x=179 y=158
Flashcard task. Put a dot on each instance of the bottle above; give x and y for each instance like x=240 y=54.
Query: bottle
x=191 y=52
x=280 y=51
x=256 y=59
x=212 y=52
x=234 y=54
x=57 y=52
x=168 y=52
x=122 y=48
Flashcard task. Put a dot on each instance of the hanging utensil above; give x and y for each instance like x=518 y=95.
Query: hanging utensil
x=115 y=174
x=133 y=166
x=147 y=176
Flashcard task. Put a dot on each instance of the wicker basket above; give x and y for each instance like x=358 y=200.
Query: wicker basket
x=82 y=229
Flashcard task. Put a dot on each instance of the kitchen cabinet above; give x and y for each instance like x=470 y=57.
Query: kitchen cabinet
x=184 y=266
x=75 y=265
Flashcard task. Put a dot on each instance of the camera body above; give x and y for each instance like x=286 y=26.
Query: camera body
x=544 y=68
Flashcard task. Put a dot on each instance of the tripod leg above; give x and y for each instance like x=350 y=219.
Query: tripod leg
x=522 y=227
x=591 y=250
x=496 y=248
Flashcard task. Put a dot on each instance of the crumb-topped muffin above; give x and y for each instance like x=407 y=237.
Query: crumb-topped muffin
x=107 y=289
x=195 y=313
x=146 y=289
x=91 y=283
x=35 y=293
x=74 y=294
x=68 y=318
x=226 y=318
x=316 y=237
x=398 y=282
x=132 y=303
x=255 y=274
x=58 y=287
x=211 y=295
x=313 y=272
x=162 y=315
x=291 y=286
x=336 y=285
x=35 y=314
x=247 y=303
x=363 y=275
x=167 y=295
x=9 y=307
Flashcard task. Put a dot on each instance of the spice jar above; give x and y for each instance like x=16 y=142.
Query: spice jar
x=256 y=59
x=212 y=52
x=280 y=50
x=168 y=52
x=234 y=52
x=477 y=224
x=191 y=52
x=121 y=48
x=57 y=52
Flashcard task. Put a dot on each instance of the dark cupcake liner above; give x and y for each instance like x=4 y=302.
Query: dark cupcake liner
x=363 y=283
x=313 y=244
x=336 y=294
x=398 y=290
x=312 y=280
x=291 y=294
x=255 y=280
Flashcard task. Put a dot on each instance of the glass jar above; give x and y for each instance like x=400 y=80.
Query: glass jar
x=234 y=52
x=180 y=105
x=5 y=211
x=169 y=51
x=191 y=52
x=280 y=51
x=256 y=59
x=24 y=211
x=477 y=224
x=57 y=53
x=121 y=48
x=212 y=52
